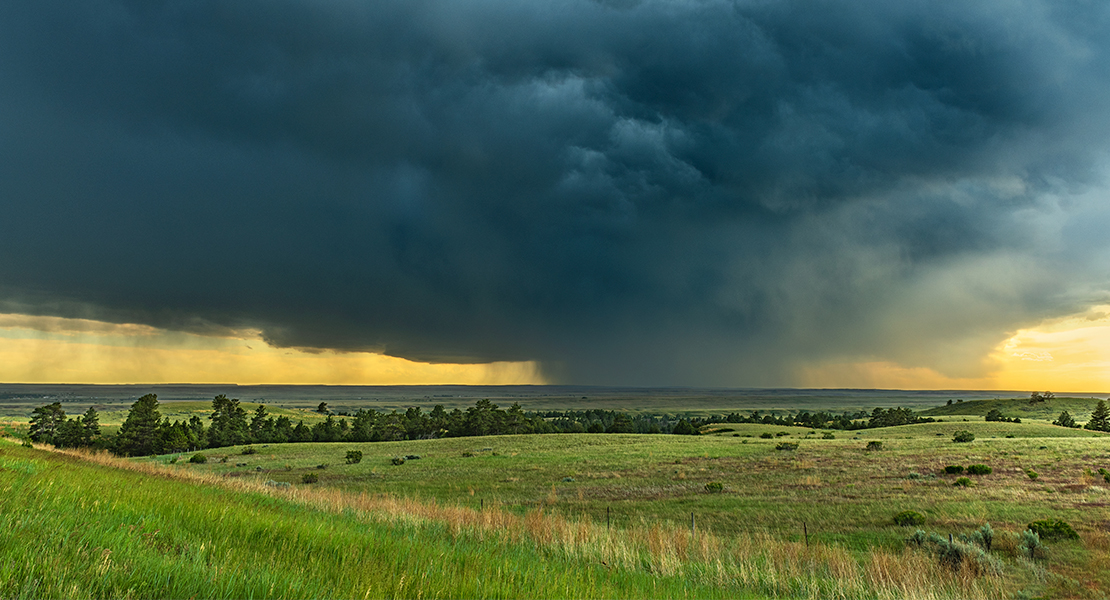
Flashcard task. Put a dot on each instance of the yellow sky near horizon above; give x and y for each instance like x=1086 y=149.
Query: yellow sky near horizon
x=1063 y=355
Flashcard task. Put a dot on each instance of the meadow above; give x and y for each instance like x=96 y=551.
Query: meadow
x=730 y=513
x=835 y=490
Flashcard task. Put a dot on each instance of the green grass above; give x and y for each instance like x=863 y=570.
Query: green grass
x=78 y=530
x=843 y=494
x=1079 y=408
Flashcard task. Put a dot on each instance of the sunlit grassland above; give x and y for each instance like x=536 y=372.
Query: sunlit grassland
x=80 y=526
x=841 y=493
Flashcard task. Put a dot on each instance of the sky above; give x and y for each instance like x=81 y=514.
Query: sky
x=703 y=193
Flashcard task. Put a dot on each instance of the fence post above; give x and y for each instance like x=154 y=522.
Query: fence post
x=806 y=532
x=693 y=532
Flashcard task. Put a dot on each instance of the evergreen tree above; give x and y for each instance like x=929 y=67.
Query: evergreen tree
x=1065 y=420
x=138 y=436
x=69 y=434
x=45 y=421
x=229 y=423
x=1100 y=418
x=90 y=425
x=258 y=424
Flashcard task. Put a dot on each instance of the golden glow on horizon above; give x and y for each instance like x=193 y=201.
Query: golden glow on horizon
x=57 y=350
x=1071 y=354
x=1063 y=355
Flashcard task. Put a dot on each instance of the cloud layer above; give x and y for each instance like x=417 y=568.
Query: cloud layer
x=684 y=192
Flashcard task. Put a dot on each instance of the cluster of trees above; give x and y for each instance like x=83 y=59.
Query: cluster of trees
x=49 y=425
x=1036 y=397
x=1099 y=421
x=996 y=415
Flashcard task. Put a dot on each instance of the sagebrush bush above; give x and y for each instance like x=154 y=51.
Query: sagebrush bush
x=354 y=457
x=1031 y=545
x=787 y=446
x=1031 y=474
x=310 y=478
x=714 y=487
x=397 y=460
x=198 y=459
x=874 y=445
x=766 y=435
x=250 y=450
x=978 y=470
x=954 y=469
x=962 y=482
x=828 y=436
x=963 y=436
x=909 y=518
x=1053 y=529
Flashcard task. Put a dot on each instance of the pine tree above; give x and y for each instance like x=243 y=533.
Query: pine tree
x=138 y=436
x=90 y=425
x=45 y=421
x=1065 y=420
x=1100 y=418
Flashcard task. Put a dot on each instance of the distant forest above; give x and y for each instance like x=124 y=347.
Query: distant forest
x=145 y=432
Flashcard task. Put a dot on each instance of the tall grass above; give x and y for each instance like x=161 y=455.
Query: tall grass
x=99 y=526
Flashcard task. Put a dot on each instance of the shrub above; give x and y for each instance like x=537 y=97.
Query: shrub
x=1031 y=545
x=250 y=450
x=1053 y=529
x=828 y=436
x=787 y=446
x=874 y=445
x=909 y=518
x=417 y=456
x=310 y=478
x=223 y=460
x=1031 y=474
x=198 y=459
x=397 y=460
x=467 y=454
x=714 y=487
x=913 y=475
x=954 y=469
x=963 y=436
x=766 y=435
x=962 y=482
x=978 y=470
x=354 y=457
x=322 y=466
x=27 y=443
x=781 y=434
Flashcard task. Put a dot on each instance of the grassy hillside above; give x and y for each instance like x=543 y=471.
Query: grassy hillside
x=844 y=494
x=81 y=527
x=1080 y=408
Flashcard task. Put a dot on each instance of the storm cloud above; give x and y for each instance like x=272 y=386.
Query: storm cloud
x=657 y=192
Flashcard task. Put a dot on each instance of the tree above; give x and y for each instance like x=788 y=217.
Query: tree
x=258 y=424
x=45 y=421
x=90 y=424
x=322 y=408
x=138 y=436
x=1100 y=418
x=683 y=427
x=1065 y=420
x=70 y=434
x=229 y=423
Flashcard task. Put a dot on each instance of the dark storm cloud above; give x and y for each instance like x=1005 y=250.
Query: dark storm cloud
x=634 y=192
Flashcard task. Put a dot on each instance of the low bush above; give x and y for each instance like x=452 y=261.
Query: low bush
x=1031 y=545
x=354 y=457
x=310 y=478
x=962 y=482
x=322 y=466
x=828 y=436
x=874 y=445
x=714 y=487
x=1053 y=529
x=467 y=454
x=954 y=469
x=978 y=470
x=766 y=435
x=963 y=436
x=1031 y=474
x=909 y=518
x=787 y=446
x=397 y=460
x=250 y=450
x=198 y=459
x=417 y=456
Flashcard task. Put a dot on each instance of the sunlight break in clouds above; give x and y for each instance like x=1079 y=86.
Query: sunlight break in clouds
x=57 y=350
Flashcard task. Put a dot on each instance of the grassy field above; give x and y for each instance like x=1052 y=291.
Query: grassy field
x=842 y=494
x=1079 y=408
x=88 y=526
